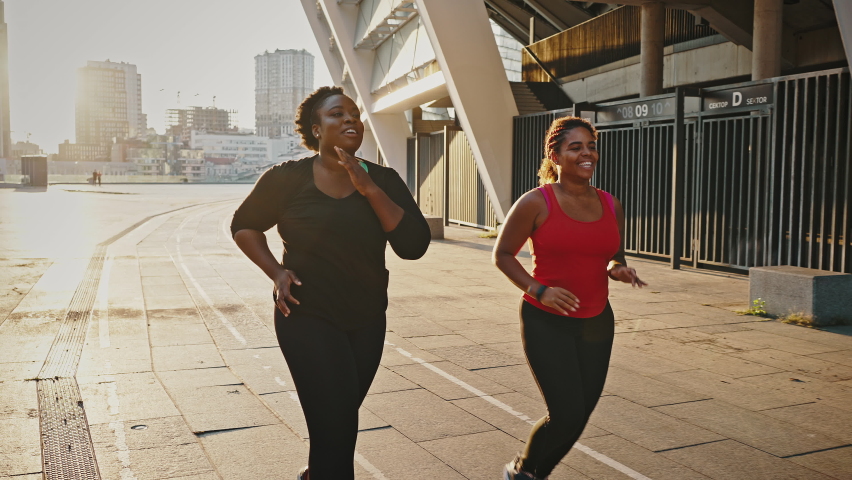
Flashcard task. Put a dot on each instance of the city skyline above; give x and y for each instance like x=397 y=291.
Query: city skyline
x=161 y=40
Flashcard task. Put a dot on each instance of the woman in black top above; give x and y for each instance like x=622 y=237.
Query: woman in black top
x=335 y=214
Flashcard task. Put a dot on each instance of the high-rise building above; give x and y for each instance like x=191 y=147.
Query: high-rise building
x=109 y=103
x=5 y=128
x=182 y=121
x=283 y=79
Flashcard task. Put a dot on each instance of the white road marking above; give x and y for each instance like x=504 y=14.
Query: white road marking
x=488 y=398
x=121 y=449
x=101 y=305
x=227 y=323
x=280 y=382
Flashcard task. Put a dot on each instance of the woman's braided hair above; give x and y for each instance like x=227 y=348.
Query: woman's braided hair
x=306 y=114
x=548 y=173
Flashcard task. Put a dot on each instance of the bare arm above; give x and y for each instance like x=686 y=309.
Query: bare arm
x=527 y=214
x=254 y=246
x=618 y=267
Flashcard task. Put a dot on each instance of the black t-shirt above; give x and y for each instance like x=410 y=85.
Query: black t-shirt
x=335 y=246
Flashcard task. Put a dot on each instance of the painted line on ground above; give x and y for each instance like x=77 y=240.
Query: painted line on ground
x=508 y=409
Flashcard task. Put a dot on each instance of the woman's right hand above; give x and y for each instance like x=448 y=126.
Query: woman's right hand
x=283 y=280
x=559 y=299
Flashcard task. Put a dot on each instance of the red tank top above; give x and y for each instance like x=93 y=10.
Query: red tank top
x=573 y=255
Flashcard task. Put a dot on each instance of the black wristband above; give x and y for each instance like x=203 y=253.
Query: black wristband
x=540 y=291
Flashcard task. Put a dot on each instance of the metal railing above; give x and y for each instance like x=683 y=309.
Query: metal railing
x=760 y=174
x=528 y=151
x=447 y=182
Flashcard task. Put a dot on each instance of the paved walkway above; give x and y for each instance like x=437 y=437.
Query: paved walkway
x=181 y=378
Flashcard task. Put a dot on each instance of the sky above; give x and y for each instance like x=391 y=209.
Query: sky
x=201 y=48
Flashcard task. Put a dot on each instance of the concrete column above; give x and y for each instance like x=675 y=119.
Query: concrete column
x=651 y=56
x=766 y=43
x=478 y=87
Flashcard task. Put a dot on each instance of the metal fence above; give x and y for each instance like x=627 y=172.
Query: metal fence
x=447 y=182
x=528 y=151
x=758 y=173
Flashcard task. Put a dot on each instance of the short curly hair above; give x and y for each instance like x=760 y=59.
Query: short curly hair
x=306 y=114
x=547 y=173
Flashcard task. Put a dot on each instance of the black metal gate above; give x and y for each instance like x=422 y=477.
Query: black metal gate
x=753 y=174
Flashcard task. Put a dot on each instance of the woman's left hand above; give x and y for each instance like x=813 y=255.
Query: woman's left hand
x=625 y=274
x=360 y=178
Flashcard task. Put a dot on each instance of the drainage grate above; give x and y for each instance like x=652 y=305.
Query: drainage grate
x=67 y=450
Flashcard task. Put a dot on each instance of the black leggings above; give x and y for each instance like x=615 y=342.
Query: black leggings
x=332 y=370
x=569 y=358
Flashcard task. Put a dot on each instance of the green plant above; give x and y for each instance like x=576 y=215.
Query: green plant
x=757 y=308
x=801 y=319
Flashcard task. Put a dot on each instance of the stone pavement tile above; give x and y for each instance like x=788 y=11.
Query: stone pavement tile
x=843 y=357
x=20 y=450
x=287 y=407
x=720 y=315
x=397 y=457
x=647 y=427
x=150 y=432
x=493 y=334
x=639 y=325
x=695 y=357
x=779 y=342
x=475 y=323
x=714 y=329
x=152 y=463
x=823 y=337
x=262 y=379
x=426 y=307
x=650 y=464
x=434 y=382
x=684 y=320
x=421 y=415
x=393 y=356
x=271 y=451
x=798 y=364
x=808 y=389
x=517 y=377
x=479 y=456
x=25 y=476
x=644 y=363
x=835 y=463
x=28 y=341
x=440 y=341
x=18 y=399
x=731 y=390
x=20 y=370
x=505 y=421
x=754 y=429
x=214 y=399
x=474 y=357
x=119 y=397
x=416 y=327
x=714 y=343
x=175 y=280
x=124 y=357
x=387 y=380
x=818 y=416
x=165 y=334
x=730 y=459
x=645 y=390
x=164 y=302
x=514 y=349
x=163 y=290
x=643 y=308
x=184 y=357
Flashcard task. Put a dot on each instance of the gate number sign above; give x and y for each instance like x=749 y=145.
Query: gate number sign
x=753 y=96
x=636 y=110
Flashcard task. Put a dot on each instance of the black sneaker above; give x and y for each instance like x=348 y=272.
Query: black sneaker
x=303 y=474
x=511 y=471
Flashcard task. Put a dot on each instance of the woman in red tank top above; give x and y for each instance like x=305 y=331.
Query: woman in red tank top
x=567 y=324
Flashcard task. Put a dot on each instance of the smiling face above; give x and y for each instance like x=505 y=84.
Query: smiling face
x=577 y=155
x=338 y=124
